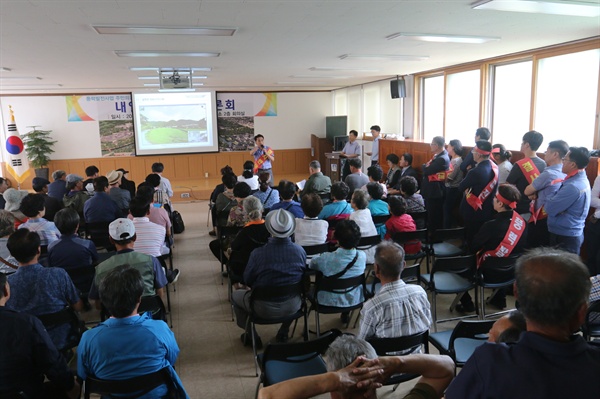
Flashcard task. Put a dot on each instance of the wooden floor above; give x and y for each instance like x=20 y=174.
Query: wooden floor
x=200 y=189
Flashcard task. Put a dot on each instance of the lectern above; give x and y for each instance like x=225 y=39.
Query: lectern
x=334 y=166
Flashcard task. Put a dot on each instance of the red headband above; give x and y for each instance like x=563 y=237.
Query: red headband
x=480 y=151
x=511 y=205
x=496 y=150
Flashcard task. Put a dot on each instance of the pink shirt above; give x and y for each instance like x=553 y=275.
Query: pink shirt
x=158 y=216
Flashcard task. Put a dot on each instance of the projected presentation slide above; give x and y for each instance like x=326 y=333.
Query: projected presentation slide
x=172 y=123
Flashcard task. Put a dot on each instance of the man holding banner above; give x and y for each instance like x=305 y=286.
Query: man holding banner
x=263 y=157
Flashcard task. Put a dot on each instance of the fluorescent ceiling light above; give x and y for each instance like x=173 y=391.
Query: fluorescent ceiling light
x=443 y=38
x=573 y=8
x=384 y=57
x=156 y=69
x=162 y=30
x=20 y=78
x=5 y=69
x=300 y=83
x=198 y=84
x=174 y=90
x=32 y=85
x=319 y=77
x=323 y=69
x=152 y=84
x=161 y=53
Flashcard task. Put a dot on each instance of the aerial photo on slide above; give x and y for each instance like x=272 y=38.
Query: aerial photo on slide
x=173 y=124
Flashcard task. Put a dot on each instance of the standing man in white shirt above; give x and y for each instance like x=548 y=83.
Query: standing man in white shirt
x=351 y=150
x=374 y=154
x=165 y=184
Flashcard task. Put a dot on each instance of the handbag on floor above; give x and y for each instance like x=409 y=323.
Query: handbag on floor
x=178 y=226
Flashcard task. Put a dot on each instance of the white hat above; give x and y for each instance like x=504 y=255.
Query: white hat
x=280 y=223
x=121 y=229
x=114 y=176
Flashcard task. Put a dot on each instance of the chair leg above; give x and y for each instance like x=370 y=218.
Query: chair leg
x=169 y=306
x=357 y=319
x=395 y=387
x=318 y=324
x=254 y=348
x=434 y=310
x=481 y=303
x=294 y=329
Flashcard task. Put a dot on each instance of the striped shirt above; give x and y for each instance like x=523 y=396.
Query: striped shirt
x=46 y=230
x=150 y=237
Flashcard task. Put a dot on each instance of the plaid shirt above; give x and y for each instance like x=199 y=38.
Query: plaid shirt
x=595 y=292
x=46 y=230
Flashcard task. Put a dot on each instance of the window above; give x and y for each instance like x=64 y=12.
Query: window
x=511 y=103
x=567 y=90
x=462 y=105
x=432 y=109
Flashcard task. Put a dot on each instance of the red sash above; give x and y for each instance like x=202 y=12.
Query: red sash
x=439 y=176
x=262 y=159
x=528 y=168
x=541 y=214
x=508 y=243
x=476 y=202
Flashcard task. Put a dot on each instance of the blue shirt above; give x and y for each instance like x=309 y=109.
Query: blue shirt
x=39 y=290
x=291 y=206
x=375 y=150
x=335 y=208
x=258 y=153
x=377 y=208
x=569 y=206
x=70 y=252
x=271 y=193
x=352 y=148
x=543 y=184
x=101 y=208
x=279 y=262
x=331 y=263
x=57 y=189
x=118 y=349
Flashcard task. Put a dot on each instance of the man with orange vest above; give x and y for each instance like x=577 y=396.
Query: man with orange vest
x=433 y=188
x=479 y=186
x=542 y=188
x=527 y=169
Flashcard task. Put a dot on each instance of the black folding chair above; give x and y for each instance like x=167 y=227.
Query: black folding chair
x=461 y=342
x=131 y=387
x=494 y=273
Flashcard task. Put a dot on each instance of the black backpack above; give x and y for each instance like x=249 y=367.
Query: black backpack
x=178 y=226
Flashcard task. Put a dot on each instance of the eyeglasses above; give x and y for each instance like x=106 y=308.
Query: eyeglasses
x=565 y=159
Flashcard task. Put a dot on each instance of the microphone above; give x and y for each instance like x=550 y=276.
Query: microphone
x=262 y=146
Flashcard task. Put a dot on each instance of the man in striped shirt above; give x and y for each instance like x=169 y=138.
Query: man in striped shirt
x=150 y=236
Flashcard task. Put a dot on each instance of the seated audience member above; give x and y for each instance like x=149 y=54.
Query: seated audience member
x=3 y=187
x=360 y=377
x=29 y=356
x=501 y=156
x=375 y=174
x=127 y=184
x=52 y=205
x=356 y=178
x=408 y=189
x=399 y=222
x=13 y=199
x=237 y=216
x=58 y=188
x=253 y=235
x=39 y=290
x=317 y=182
x=248 y=176
x=347 y=260
x=128 y=345
x=120 y=195
x=548 y=361
x=91 y=172
x=101 y=208
x=394 y=172
x=362 y=217
x=165 y=184
x=71 y=251
x=8 y=264
x=338 y=208
x=150 y=237
x=377 y=206
x=219 y=188
x=32 y=206
x=76 y=195
x=453 y=179
x=406 y=164
x=267 y=195
x=225 y=201
x=287 y=189
x=508 y=328
x=160 y=197
x=279 y=263
x=122 y=235
x=399 y=309
x=311 y=230
x=157 y=214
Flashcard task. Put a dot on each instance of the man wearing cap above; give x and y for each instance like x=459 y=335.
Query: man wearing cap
x=52 y=205
x=75 y=196
x=279 y=263
x=120 y=196
x=58 y=188
x=101 y=208
x=317 y=182
x=122 y=235
x=3 y=188
x=91 y=172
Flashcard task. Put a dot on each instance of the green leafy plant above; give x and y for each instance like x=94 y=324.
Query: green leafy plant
x=38 y=146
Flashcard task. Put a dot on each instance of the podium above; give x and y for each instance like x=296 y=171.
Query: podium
x=334 y=166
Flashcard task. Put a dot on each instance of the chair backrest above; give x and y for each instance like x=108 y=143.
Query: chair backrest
x=134 y=387
x=407 y=236
x=312 y=250
x=291 y=357
x=65 y=316
x=339 y=285
x=495 y=270
x=155 y=305
x=82 y=277
x=274 y=292
x=411 y=273
x=387 y=346
x=378 y=220
x=224 y=232
x=456 y=264
x=457 y=233
x=368 y=242
x=420 y=219
x=473 y=329
x=98 y=233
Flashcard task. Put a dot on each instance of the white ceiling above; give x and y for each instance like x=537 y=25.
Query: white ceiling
x=275 y=40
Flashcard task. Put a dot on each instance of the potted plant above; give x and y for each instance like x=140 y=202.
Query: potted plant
x=39 y=147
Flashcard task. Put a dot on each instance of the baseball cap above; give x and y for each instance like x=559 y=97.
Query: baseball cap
x=121 y=229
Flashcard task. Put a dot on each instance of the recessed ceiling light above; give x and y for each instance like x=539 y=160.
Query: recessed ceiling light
x=573 y=8
x=161 y=53
x=323 y=69
x=152 y=84
x=319 y=77
x=21 y=78
x=443 y=38
x=162 y=30
x=384 y=57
